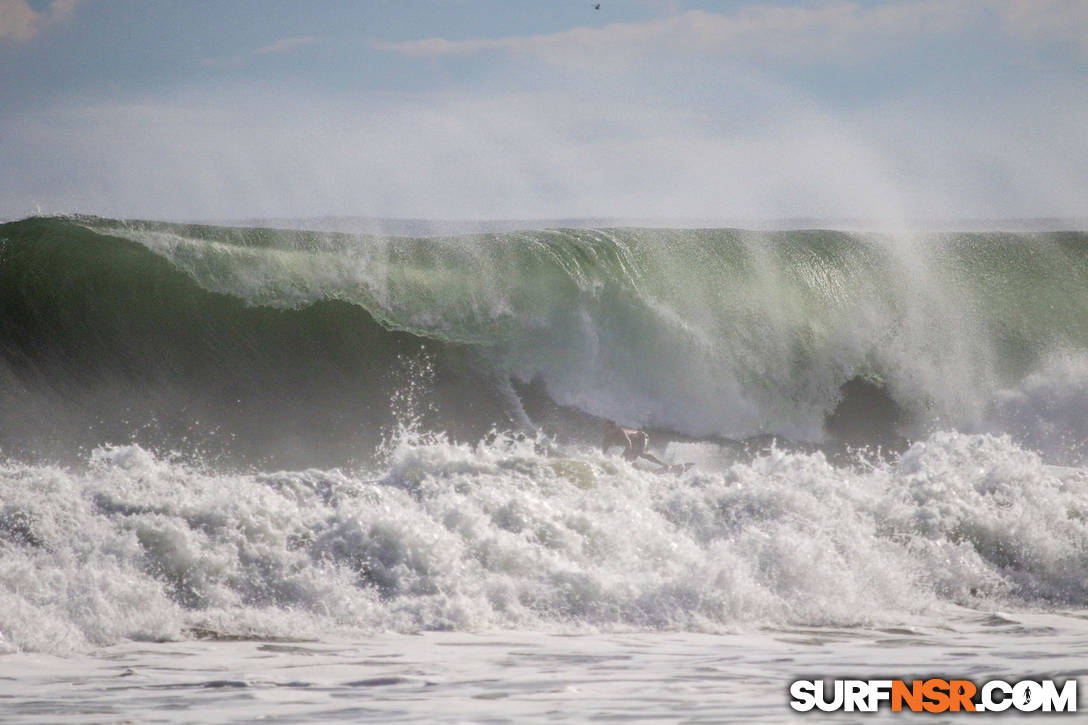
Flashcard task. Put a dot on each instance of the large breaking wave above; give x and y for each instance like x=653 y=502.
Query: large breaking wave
x=247 y=432
x=289 y=346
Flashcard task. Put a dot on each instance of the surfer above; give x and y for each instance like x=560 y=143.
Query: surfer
x=634 y=443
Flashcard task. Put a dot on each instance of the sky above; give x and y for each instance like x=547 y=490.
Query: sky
x=538 y=109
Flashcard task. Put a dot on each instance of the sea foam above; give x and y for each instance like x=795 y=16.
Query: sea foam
x=518 y=533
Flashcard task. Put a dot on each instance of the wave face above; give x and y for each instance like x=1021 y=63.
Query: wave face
x=291 y=345
x=501 y=536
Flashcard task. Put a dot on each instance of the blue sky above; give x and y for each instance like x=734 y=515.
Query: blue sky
x=195 y=109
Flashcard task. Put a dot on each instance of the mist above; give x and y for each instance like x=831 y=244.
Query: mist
x=560 y=129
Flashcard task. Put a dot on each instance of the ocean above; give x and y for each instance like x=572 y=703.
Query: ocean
x=255 y=473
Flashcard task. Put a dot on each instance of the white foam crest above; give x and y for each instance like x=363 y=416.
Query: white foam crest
x=67 y=579
x=740 y=335
x=1048 y=411
x=987 y=518
x=286 y=278
x=515 y=533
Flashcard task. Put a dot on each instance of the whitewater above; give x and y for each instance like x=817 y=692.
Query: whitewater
x=263 y=473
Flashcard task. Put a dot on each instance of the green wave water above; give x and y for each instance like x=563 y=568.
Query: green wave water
x=279 y=340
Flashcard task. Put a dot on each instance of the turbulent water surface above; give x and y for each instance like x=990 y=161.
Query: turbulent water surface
x=225 y=434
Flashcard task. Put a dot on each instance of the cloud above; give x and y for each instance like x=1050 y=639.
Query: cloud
x=239 y=60
x=1048 y=21
x=761 y=29
x=827 y=31
x=20 y=22
x=282 y=46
